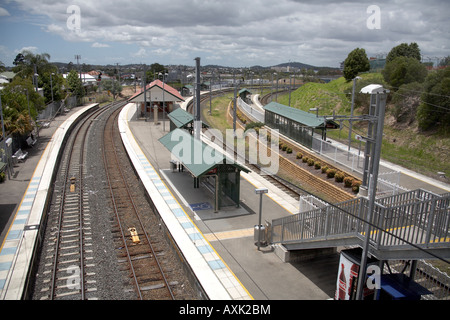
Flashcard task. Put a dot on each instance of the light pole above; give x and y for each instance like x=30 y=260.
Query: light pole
x=378 y=96
x=351 y=115
x=164 y=101
x=260 y=191
x=51 y=84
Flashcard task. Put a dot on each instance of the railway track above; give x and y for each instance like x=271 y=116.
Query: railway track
x=136 y=248
x=87 y=250
x=68 y=257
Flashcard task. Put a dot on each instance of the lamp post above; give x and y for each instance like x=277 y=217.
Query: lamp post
x=378 y=96
x=351 y=115
x=260 y=191
x=51 y=83
x=164 y=101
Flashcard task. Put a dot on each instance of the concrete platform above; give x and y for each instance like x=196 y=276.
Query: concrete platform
x=21 y=233
x=230 y=231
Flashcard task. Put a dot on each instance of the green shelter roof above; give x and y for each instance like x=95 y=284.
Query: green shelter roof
x=182 y=118
x=297 y=115
x=244 y=91
x=198 y=157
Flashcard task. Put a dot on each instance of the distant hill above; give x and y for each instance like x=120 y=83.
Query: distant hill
x=298 y=65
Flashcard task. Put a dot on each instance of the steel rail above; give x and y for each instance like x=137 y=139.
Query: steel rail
x=62 y=204
x=139 y=218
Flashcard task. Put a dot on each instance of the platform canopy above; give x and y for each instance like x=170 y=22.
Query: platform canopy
x=197 y=157
x=299 y=116
x=182 y=119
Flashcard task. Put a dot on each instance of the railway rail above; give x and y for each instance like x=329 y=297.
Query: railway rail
x=67 y=261
x=73 y=262
x=137 y=249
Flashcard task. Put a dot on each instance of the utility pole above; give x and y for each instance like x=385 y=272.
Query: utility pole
x=377 y=110
x=197 y=118
x=78 y=57
x=351 y=115
x=234 y=104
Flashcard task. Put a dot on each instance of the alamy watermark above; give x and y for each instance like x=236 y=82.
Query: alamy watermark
x=74 y=280
x=74 y=20
x=374 y=20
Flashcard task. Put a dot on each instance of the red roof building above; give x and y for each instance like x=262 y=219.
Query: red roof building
x=158 y=93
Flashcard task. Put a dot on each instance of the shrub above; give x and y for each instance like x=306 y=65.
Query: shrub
x=317 y=165
x=289 y=150
x=280 y=145
x=2 y=177
x=339 y=176
x=285 y=147
x=348 y=181
x=299 y=155
x=324 y=169
x=331 y=173
x=355 y=186
x=310 y=162
x=305 y=159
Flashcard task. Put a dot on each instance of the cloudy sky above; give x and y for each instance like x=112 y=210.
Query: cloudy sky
x=238 y=33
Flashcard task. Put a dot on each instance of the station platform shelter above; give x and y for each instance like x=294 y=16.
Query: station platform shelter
x=245 y=95
x=181 y=119
x=159 y=96
x=206 y=163
x=297 y=124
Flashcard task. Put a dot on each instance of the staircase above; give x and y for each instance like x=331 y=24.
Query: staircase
x=411 y=225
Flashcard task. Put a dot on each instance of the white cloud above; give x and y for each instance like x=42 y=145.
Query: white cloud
x=141 y=53
x=100 y=45
x=31 y=49
x=253 y=31
x=4 y=12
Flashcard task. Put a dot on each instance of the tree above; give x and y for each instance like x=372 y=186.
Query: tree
x=403 y=70
x=355 y=63
x=74 y=83
x=28 y=63
x=434 y=110
x=112 y=86
x=15 y=106
x=404 y=50
x=49 y=81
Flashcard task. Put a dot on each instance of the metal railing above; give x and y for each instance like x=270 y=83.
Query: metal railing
x=252 y=112
x=427 y=275
x=417 y=217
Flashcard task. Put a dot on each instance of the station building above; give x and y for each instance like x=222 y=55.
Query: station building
x=158 y=95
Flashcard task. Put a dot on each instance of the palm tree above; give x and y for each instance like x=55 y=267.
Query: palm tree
x=28 y=63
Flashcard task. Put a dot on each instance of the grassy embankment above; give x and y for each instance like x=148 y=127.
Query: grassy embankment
x=405 y=145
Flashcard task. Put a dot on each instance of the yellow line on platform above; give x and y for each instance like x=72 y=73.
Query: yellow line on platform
x=242 y=233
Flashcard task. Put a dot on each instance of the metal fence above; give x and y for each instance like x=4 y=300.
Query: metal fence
x=388 y=179
x=418 y=217
x=253 y=112
x=427 y=275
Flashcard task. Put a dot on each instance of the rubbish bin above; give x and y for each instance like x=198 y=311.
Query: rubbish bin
x=261 y=230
